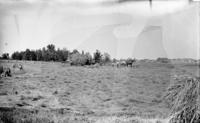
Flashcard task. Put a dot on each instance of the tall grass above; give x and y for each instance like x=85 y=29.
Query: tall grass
x=183 y=96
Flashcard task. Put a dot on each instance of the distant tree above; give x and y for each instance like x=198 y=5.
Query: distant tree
x=114 y=60
x=27 y=55
x=97 y=56
x=61 y=55
x=44 y=54
x=89 y=59
x=33 y=55
x=5 y=56
x=51 y=54
x=65 y=54
x=51 y=47
x=82 y=52
x=75 y=51
x=78 y=59
x=106 y=58
x=14 y=55
x=17 y=55
x=39 y=55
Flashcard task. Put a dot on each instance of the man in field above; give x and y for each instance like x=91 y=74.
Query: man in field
x=19 y=66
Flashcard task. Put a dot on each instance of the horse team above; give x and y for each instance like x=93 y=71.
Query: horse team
x=124 y=63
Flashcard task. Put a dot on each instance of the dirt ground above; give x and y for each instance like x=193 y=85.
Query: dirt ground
x=63 y=93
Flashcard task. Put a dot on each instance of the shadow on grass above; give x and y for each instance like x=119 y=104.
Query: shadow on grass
x=13 y=115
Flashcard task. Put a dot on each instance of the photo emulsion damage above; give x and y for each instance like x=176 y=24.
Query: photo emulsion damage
x=99 y=61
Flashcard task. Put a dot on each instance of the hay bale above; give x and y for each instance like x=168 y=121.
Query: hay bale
x=183 y=97
x=5 y=71
x=1 y=69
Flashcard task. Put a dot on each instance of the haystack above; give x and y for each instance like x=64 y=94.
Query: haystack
x=5 y=71
x=183 y=96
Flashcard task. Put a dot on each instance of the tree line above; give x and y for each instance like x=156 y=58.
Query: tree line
x=50 y=53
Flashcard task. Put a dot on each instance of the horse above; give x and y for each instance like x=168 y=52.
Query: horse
x=130 y=62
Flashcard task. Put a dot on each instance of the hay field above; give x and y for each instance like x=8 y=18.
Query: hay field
x=51 y=92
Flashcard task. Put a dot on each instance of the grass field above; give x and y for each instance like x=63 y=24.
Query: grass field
x=56 y=92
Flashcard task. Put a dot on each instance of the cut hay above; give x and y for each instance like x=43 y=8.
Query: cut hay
x=183 y=97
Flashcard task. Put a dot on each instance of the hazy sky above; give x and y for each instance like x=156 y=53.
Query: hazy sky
x=132 y=29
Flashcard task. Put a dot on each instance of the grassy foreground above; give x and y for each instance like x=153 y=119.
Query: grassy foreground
x=49 y=92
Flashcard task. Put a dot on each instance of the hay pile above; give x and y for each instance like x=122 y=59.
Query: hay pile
x=5 y=71
x=183 y=96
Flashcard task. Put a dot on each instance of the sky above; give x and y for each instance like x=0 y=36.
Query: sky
x=132 y=29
